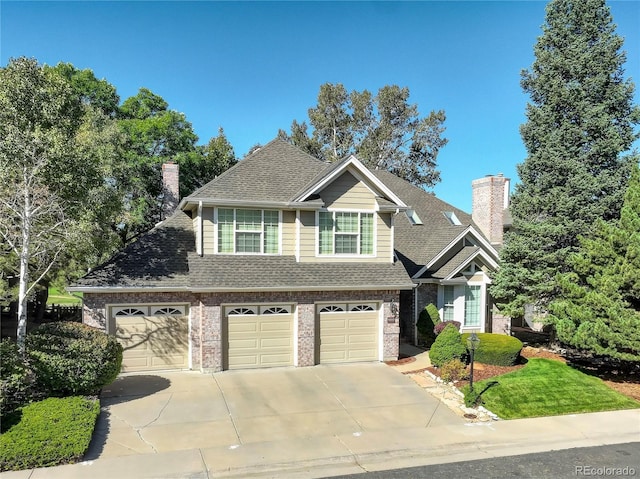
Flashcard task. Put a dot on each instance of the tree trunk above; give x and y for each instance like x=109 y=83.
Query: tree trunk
x=21 y=333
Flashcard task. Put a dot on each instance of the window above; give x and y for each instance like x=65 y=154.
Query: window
x=453 y=219
x=241 y=310
x=248 y=231
x=275 y=310
x=345 y=233
x=447 y=309
x=332 y=308
x=361 y=307
x=131 y=312
x=168 y=311
x=472 y=305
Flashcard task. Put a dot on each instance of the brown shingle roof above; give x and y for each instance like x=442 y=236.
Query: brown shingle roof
x=157 y=259
x=274 y=173
x=416 y=245
x=252 y=273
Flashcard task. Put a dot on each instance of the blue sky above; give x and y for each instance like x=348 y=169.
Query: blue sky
x=253 y=67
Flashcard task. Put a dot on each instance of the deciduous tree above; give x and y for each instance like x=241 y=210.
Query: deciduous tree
x=384 y=131
x=42 y=165
x=579 y=125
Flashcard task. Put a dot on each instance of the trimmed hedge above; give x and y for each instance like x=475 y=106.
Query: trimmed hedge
x=426 y=322
x=496 y=349
x=50 y=432
x=73 y=358
x=447 y=346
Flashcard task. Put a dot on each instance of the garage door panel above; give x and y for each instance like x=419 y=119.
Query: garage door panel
x=260 y=340
x=153 y=342
x=278 y=343
x=349 y=336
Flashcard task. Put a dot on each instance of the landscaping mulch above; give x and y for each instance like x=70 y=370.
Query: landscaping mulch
x=624 y=383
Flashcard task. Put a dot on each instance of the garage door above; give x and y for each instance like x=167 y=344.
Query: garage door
x=259 y=336
x=152 y=337
x=348 y=332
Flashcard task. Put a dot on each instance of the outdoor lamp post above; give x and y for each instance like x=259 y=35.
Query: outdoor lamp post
x=473 y=341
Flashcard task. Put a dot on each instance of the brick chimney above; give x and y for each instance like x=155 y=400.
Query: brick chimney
x=490 y=204
x=170 y=188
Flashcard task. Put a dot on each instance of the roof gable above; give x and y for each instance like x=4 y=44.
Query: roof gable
x=357 y=169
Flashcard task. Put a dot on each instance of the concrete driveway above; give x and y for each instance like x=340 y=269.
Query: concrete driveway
x=175 y=411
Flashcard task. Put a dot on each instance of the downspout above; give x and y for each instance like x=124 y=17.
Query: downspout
x=415 y=314
x=200 y=227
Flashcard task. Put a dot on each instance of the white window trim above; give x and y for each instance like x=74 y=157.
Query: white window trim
x=350 y=255
x=261 y=253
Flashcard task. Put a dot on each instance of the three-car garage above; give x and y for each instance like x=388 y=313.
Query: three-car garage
x=259 y=335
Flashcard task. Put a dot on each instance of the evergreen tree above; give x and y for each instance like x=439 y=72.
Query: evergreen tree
x=580 y=121
x=599 y=309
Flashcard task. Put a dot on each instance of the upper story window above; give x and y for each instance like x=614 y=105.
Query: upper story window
x=345 y=233
x=248 y=231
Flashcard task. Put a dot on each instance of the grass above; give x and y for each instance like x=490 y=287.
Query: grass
x=545 y=387
x=62 y=297
x=48 y=433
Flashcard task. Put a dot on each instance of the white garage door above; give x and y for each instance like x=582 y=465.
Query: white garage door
x=348 y=332
x=260 y=336
x=152 y=337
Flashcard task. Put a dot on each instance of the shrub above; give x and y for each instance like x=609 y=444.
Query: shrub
x=440 y=326
x=447 y=346
x=434 y=314
x=73 y=358
x=496 y=349
x=16 y=378
x=50 y=432
x=426 y=323
x=453 y=370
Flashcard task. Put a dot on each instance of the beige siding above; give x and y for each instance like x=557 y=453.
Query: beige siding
x=288 y=232
x=208 y=239
x=307 y=236
x=383 y=238
x=347 y=192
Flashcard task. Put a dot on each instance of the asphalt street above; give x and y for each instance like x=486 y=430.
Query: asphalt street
x=618 y=460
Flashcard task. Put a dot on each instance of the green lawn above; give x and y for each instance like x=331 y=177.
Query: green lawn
x=545 y=387
x=62 y=297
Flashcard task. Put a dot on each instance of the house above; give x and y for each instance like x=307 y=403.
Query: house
x=285 y=260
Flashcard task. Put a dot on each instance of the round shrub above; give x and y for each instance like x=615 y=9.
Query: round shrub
x=447 y=346
x=16 y=378
x=496 y=349
x=440 y=326
x=453 y=370
x=73 y=358
x=426 y=323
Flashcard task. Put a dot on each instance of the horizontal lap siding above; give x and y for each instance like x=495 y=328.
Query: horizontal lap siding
x=288 y=232
x=347 y=192
x=208 y=237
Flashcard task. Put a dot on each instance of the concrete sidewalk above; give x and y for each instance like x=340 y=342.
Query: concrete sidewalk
x=361 y=452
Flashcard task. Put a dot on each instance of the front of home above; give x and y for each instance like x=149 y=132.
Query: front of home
x=285 y=260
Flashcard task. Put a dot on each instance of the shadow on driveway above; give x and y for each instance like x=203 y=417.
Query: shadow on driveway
x=123 y=389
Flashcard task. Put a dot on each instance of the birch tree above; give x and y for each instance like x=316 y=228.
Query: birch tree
x=41 y=172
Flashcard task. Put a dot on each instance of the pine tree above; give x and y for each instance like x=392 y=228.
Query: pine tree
x=599 y=309
x=580 y=122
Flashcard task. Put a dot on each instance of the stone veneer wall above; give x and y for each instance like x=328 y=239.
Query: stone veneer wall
x=206 y=318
